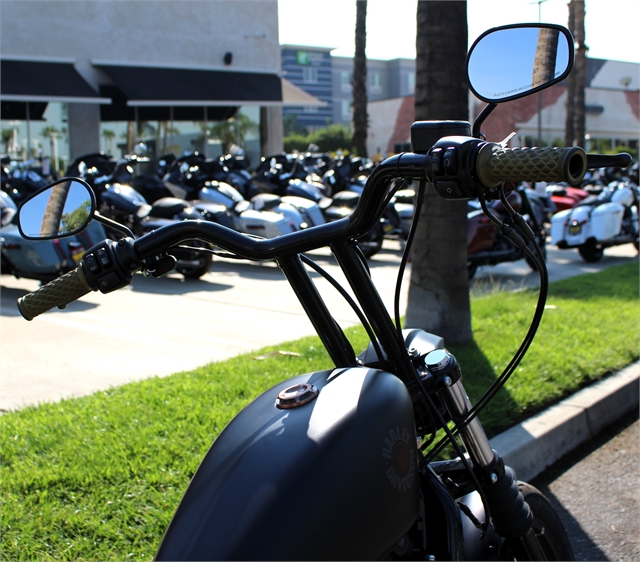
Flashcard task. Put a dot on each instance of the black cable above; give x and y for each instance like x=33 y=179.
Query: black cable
x=407 y=250
x=495 y=387
x=451 y=437
x=352 y=303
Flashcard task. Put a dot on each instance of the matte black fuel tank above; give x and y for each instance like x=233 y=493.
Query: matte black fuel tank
x=334 y=478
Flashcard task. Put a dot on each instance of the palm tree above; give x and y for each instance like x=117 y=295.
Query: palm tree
x=108 y=135
x=359 y=82
x=7 y=137
x=439 y=291
x=575 y=125
x=544 y=64
x=53 y=135
x=233 y=131
x=53 y=211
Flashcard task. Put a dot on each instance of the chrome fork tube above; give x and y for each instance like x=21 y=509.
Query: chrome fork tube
x=473 y=435
x=443 y=366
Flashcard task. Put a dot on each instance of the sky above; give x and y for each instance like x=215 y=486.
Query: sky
x=612 y=27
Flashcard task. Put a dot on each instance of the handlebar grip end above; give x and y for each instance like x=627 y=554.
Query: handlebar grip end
x=572 y=163
x=59 y=292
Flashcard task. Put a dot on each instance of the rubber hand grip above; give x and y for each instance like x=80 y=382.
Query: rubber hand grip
x=496 y=164
x=59 y=292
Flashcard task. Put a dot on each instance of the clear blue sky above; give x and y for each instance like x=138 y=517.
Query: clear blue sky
x=612 y=26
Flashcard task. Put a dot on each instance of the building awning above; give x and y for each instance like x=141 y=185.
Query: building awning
x=294 y=96
x=165 y=86
x=147 y=86
x=44 y=81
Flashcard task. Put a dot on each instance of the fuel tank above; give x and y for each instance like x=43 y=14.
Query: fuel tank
x=333 y=477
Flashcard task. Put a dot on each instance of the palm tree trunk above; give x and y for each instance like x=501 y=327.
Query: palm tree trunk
x=360 y=116
x=580 y=70
x=53 y=210
x=439 y=291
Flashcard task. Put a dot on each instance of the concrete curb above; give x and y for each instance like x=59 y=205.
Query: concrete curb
x=538 y=442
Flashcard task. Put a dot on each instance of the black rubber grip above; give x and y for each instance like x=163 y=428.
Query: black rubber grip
x=59 y=292
x=496 y=164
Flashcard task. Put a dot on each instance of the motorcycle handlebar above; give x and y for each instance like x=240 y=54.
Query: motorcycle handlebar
x=476 y=165
x=59 y=292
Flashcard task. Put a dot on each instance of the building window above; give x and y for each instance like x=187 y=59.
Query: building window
x=310 y=109
x=345 y=79
x=346 y=110
x=309 y=75
x=411 y=82
x=375 y=83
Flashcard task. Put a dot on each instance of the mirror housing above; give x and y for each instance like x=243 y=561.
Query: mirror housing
x=538 y=55
x=61 y=209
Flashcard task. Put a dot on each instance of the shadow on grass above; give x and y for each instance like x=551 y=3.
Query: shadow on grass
x=478 y=375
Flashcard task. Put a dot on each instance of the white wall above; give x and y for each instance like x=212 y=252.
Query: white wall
x=189 y=33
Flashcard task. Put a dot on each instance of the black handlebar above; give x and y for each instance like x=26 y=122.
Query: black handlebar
x=459 y=168
x=622 y=160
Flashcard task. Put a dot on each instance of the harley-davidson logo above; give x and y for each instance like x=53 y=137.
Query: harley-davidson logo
x=400 y=454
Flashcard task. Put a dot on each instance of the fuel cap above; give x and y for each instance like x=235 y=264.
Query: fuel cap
x=296 y=395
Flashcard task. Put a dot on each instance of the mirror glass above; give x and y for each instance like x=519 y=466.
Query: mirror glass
x=62 y=209
x=512 y=62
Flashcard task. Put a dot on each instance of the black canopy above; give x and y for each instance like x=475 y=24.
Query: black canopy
x=148 y=86
x=44 y=81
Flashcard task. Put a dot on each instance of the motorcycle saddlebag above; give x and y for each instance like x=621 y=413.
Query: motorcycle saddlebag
x=606 y=221
x=332 y=479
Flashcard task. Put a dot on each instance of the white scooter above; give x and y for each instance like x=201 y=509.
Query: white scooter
x=611 y=219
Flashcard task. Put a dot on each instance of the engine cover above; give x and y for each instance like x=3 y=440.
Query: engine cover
x=333 y=478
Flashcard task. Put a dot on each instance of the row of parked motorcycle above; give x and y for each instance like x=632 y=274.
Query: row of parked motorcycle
x=291 y=192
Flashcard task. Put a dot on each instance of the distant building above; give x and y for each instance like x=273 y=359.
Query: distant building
x=329 y=79
x=308 y=68
x=84 y=70
x=612 y=99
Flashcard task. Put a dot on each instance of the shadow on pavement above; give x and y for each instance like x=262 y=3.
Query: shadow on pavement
x=584 y=547
x=176 y=285
x=11 y=295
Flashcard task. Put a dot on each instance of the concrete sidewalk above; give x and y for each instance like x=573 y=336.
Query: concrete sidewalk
x=535 y=444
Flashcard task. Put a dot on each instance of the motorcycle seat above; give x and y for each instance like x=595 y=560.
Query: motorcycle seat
x=265 y=202
x=168 y=207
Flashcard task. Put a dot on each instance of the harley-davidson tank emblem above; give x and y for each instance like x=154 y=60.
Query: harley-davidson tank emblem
x=400 y=454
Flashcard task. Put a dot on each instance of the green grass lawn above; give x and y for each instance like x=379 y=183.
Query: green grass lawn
x=98 y=477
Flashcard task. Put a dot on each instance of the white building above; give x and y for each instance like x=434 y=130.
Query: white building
x=108 y=62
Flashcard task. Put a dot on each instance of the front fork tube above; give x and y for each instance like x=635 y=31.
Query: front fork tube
x=473 y=435
x=510 y=514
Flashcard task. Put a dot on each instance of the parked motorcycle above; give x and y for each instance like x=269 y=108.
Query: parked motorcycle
x=566 y=197
x=341 y=464
x=203 y=183
x=123 y=204
x=22 y=179
x=292 y=175
x=610 y=219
